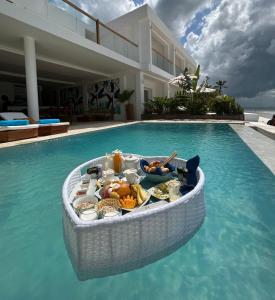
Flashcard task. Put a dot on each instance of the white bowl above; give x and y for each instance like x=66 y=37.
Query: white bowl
x=79 y=200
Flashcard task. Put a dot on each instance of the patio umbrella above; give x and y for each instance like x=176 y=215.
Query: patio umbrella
x=206 y=90
x=179 y=79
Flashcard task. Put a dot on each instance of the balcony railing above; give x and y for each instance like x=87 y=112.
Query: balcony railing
x=162 y=62
x=95 y=30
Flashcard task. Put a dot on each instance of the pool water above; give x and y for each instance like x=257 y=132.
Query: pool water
x=232 y=256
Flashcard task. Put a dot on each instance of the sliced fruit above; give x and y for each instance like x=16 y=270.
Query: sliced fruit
x=114 y=195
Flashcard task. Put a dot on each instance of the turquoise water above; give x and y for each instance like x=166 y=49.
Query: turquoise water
x=231 y=257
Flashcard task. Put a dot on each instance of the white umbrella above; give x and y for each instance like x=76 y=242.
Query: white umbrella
x=180 y=79
x=206 y=90
x=203 y=90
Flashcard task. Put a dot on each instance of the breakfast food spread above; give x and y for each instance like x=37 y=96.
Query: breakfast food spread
x=118 y=190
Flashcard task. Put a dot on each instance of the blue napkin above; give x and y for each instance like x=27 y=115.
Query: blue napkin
x=191 y=178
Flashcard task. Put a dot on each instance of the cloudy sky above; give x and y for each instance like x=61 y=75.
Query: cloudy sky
x=232 y=40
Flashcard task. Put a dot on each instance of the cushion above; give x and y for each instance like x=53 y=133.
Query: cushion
x=13 y=116
x=48 y=121
x=14 y=122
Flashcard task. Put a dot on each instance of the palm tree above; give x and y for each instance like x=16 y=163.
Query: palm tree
x=220 y=84
x=195 y=80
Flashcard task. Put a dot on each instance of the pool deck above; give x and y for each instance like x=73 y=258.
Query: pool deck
x=73 y=130
x=261 y=145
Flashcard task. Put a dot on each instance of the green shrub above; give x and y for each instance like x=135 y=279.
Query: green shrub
x=148 y=106
x=225 y=105
x=196 y=105
x=160 y=104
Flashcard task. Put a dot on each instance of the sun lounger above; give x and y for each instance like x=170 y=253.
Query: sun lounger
x=52 y=126
x=17 y=130
x=45 y=126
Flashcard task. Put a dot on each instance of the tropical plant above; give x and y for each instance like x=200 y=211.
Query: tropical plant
x=148 y=106
x=159 y=104
x=196 y=79
x=206 y=82
x=220 y=85
x=186 y=83
x=223 y=104
x=125 y=96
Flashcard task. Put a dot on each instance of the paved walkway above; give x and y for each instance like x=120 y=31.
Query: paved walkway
x=263 y=128
x=262 y=146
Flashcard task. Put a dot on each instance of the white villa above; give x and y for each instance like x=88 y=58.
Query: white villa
x=56 y=61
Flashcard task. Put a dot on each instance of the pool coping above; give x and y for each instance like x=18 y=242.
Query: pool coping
x=262 y=146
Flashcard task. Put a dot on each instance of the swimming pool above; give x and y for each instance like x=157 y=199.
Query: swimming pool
x=231 y=257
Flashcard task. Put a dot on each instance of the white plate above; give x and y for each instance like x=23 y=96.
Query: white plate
x=131 y=209
x=101 y=180
x=98 y=195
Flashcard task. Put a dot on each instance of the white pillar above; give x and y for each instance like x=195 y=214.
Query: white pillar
x=139 y=104
x=85 y=95
x=145 y=44
x=31 y=78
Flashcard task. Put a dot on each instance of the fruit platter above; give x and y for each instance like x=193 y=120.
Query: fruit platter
x=123 y=211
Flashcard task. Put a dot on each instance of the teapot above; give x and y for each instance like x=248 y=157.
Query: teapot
x=131 y=162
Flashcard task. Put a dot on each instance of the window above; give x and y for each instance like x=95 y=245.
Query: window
x=147 y=94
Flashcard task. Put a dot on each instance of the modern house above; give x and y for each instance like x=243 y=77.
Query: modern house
x=54 y=56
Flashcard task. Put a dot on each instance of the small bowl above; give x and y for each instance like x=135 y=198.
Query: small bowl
x=79 y=200
x=157 y=178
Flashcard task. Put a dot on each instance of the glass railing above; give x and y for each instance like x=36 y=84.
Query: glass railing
x=118 y=43
x=162 y=62
x=91 y=28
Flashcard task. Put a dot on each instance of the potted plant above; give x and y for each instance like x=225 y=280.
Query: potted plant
x=127 y=109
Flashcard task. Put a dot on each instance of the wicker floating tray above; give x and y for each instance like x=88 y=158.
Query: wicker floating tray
x=115 y=245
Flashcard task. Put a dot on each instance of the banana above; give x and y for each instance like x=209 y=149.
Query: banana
x=141 y=194
x=139 y=198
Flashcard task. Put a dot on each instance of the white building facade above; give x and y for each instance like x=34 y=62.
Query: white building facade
x=50 y=53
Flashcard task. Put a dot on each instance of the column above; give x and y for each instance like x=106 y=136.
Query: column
x=85 y=95
x=145 y=44
x=31 y=78
x=139 y=103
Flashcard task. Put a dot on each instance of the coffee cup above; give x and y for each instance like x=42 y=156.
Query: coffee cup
x=131 y=176
x=108 y=174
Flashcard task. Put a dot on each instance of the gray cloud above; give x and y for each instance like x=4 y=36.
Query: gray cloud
x=237 y=44
x=178 y=13
x=105 y=10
